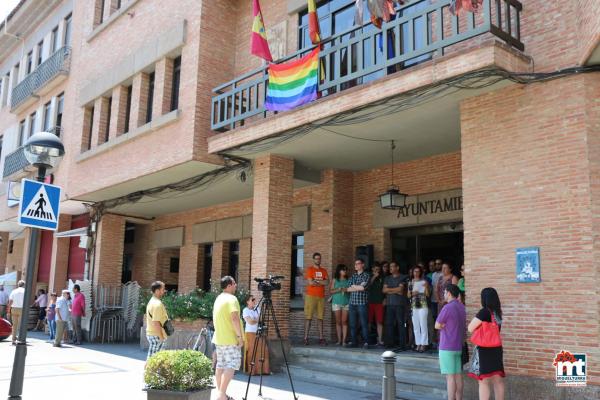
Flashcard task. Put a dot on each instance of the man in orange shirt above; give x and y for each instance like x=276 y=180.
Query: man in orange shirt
x=316 y=279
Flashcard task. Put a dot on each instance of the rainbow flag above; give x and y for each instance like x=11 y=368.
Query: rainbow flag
x=259 y=45
x=293 y=83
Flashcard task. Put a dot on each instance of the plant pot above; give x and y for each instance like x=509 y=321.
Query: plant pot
x=203 y=394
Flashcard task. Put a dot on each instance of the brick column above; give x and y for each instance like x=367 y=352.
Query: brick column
x=188 y=267
x=109 y=250
x=163 y=84
x=118 y=112
x=4 y=252
x=272 y=227
x=145 y=257
x=220 y=261
x=60 y=256
x=100 y=119
x=245 y=261
x=139 y=100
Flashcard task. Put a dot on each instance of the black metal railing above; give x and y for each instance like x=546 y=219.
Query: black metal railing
x=15 y=162
x=58 y=63
x=364 y=53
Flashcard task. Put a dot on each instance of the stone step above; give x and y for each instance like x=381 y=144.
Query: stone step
x=409 y=375
x=421 y=361
x=357 y=380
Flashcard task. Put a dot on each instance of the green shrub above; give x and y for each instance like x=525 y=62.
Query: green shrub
x=191 y=306
x=178 y=370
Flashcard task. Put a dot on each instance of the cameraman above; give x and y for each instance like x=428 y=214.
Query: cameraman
x=228 y=335
x=314 y=301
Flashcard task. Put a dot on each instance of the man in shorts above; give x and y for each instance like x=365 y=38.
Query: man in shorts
x=228 y=335
x=314 y=301
x=451 y=324
x=156 y=316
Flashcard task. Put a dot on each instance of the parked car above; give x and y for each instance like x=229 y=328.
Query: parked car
x=5 y=329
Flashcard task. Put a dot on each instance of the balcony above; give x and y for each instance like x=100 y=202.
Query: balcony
x=356 y=56
x=16 y=165
x=38 y=81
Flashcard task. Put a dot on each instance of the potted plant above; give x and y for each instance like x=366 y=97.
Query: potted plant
x=178 y=375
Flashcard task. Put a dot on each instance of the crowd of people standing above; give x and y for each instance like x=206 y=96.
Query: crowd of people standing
x=62 y=316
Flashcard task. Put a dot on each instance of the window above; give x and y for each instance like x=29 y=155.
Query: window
x=67 y=37
x=32 y=121
x=101 y=11
x=11 y=244
x=128 y=108
x=60 y=104
x=4 y=100
x=55 y=40
x=174 y=265
x=175 y=85
x=129 y=233
x=16 y=77
x=47 y=116
x=150 y=97
x=127 y=269
x=107 y=128
x=29 y=64
x=208 y=249
x=22 y=137
x=234 y=259
x=297 y=266
x=40 y=52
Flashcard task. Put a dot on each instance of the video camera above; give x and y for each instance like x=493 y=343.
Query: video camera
x=269 y=284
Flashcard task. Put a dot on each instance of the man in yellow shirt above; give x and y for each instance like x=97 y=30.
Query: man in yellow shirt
x=156 y=316
x=228 y=335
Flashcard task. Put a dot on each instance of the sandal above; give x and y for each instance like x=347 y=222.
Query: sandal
x=306 y=341
x=322 y=342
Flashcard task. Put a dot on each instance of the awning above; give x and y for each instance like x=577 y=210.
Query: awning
x=73 y=232
x=9 y=279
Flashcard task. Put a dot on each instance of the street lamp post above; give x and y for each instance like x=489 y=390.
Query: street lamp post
x=44 y=150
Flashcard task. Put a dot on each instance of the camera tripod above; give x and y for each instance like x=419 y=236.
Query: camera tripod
x=267 y=313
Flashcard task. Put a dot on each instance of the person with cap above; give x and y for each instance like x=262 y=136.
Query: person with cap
x=15 y=308
x=62 y=316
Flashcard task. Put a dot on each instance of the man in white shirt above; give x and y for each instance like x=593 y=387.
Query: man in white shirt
x=3 y=301
x=62 y=316
x=15 y=308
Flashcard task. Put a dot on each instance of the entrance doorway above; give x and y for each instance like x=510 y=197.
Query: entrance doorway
x=424 y=243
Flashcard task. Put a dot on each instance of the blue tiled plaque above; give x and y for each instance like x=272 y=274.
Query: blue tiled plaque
x=528 y=264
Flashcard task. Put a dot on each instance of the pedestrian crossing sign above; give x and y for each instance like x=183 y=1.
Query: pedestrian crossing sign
x=39 y=206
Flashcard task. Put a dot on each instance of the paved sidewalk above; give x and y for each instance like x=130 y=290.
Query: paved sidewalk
x=114 y=371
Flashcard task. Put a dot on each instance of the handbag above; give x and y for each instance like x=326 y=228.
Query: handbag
x=167 y=326
x=488 y=334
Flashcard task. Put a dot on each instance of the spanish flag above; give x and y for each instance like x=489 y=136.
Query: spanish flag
x=313 y=23
x=259 y=44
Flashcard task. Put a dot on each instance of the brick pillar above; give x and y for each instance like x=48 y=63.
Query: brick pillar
x=188 y=267
x=245 y=261
x=100 y=121
x=60 y=256
x=118 y=112
x=272 y=227
x=98 y=12
x=220 y=261
x=3 y=252
x=163 y=84
x=139 y=100
x=145 y=257
x=109 y=250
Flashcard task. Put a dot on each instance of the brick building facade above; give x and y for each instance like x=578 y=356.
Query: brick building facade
x=207 y=180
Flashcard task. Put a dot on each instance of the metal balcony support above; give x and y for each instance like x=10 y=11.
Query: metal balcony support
x=58 y=63
x=364 y=53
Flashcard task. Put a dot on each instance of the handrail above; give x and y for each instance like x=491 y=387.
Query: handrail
x=57 y=63
x=360 y=54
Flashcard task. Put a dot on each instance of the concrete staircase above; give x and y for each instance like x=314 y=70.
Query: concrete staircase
x=417 y=375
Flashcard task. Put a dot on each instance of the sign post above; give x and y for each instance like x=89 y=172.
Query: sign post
x=39 y=209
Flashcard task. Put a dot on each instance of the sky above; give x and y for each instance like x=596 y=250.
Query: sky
x=6 y=7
